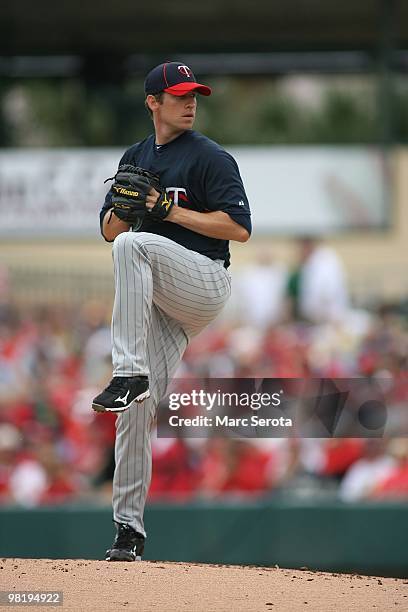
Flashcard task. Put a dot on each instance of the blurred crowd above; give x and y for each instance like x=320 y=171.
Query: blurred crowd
x=280 y=323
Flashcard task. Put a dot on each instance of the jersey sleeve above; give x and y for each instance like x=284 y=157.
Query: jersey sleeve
x=224 y=189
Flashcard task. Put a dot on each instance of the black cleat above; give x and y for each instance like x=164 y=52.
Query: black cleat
x=127 y=546
x=121 y=392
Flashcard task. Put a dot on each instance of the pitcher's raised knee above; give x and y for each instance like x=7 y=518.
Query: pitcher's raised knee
x=130 y=240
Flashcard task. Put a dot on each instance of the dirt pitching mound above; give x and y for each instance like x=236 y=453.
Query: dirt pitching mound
x=146 y=586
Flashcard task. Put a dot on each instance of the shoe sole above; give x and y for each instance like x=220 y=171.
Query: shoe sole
x=140 y=398
x=119 y=554
x=122 y=558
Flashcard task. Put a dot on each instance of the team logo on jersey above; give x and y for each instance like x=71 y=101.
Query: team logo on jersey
x=185 y=70
x=178 y=194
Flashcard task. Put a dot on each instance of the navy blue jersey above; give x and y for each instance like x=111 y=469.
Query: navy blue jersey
x=199 y=175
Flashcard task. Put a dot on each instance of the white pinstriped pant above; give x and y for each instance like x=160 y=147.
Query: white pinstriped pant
x=164 y=295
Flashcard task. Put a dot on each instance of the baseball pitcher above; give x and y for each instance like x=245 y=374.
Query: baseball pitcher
x=175 y=202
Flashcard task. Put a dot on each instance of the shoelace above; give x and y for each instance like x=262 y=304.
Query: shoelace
x=116 y=384
x=125 y=537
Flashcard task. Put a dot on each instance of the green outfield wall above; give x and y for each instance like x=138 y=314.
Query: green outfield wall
x=364 y=538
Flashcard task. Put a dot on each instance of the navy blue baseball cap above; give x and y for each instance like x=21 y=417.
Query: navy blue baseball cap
x=174 y=78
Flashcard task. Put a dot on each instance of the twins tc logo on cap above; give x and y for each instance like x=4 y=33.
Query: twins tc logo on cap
x=185 y=70
x=174 y=78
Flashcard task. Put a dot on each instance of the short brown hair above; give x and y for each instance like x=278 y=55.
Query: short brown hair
x=159 y=98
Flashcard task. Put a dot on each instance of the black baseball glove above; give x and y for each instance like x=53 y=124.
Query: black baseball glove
x=131 y=187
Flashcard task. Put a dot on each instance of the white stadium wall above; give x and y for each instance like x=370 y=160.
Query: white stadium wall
x=292 y=190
